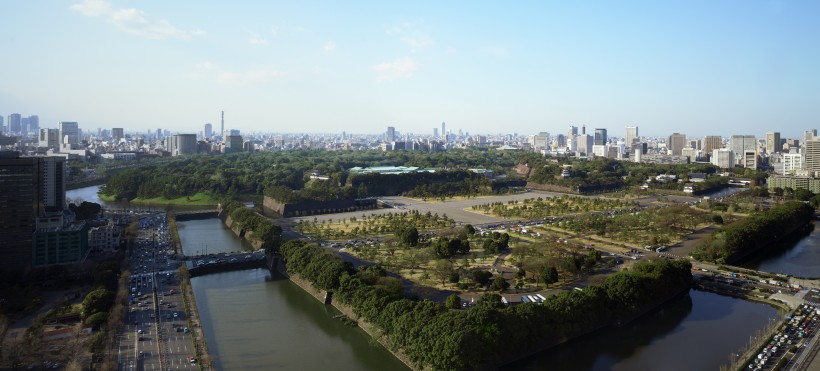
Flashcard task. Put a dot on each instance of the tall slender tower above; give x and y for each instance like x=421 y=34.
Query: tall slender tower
x=222 y=128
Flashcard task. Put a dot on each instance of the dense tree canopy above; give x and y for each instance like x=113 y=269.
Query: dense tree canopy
x=432 y=337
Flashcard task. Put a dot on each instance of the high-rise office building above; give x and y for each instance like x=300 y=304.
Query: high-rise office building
x=390 y=136
x=49 y=138
x=183 y=144
x=711 y=143
x=435 y=133
x=723 y=158
x=809 y=134
x=69 y=133
x=675 y=143
x=773 y=142
x=572 y=132
x=739 y=144
x=30 y=188
x=208 y=130
x=234 y=143
x=585 y=143
x=811 y=161
x=2 y=125
x=33 y=123
x=443 y=131
x=117 y=134
x=15 y=123
x=540 y=141
x=600 y=137
x=631 y=135
x=222 y=124
x=583 y=129
x=24 y=126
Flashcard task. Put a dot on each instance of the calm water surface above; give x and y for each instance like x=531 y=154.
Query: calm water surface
x=697 y=331
x=799 y=256
x=252 y=322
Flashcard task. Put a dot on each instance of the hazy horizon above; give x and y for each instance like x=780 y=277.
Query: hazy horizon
x=699 y=68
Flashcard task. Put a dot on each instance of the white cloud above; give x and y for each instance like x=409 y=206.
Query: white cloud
x=329 y=46
x=417 y=43
x=134 y=21
x=401 y=68
x=92 y=8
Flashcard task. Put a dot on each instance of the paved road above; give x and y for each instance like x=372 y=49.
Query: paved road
x=154 y=336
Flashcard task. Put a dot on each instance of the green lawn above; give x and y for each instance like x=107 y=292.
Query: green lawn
x=201 y=198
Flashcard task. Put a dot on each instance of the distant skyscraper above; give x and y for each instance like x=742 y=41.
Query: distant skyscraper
x=49 y=138
x=773 y=142
x=24 y=126
x=600 y=137
x=807 y=135
x=117 y=134
x=208 y=130
x=443 y=130
x=222 y=125
x=711 y=143
x=33 y=123
x=572 y=132
x=723 y=158
x=391 y=134
x=585 y=143
x=182 y=144
x=631 y=135
x=739 y=144
x=584 y=129
x=435 y=133
x=15 y=123
x=675 y=143
x=812 y=153
x=69 y=132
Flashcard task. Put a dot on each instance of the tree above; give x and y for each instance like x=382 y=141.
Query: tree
x=549 y=275
x=490 y=300
x=469 y=229
x=408 y=236
x=452 y=302
x=442 y=269
x=481 y=277
x=97 y=301
x=500 y=284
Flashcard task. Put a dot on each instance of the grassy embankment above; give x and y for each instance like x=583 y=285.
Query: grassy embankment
x=198 y=199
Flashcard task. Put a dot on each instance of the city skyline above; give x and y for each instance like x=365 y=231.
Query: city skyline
x=699 y=68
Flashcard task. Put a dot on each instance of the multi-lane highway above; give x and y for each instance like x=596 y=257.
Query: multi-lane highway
x=156 y=334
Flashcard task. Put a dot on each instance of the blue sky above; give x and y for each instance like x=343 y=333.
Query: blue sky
x=697 y=67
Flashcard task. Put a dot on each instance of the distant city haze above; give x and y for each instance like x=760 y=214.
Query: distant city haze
x=695 y=67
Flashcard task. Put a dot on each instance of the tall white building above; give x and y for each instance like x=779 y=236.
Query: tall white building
x=585 y=143
x=181 y=144
x=49 y=138
x=69 y=133
x=723 y=158
x=740 y=144
x=631 y=136
x=789 y=164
